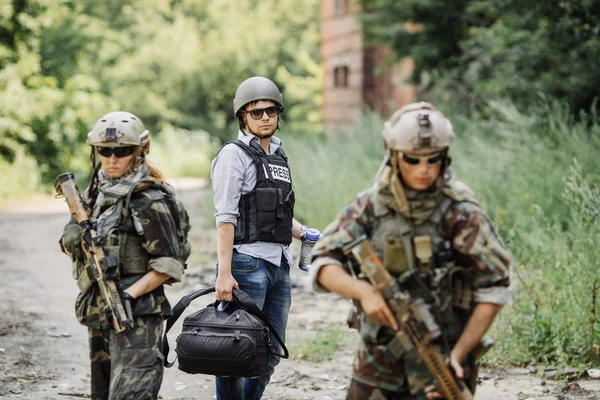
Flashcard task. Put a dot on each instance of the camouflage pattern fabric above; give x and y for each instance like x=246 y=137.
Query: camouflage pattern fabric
x=361 y=391
x=159 y=242
x=128 y=365
x=464 y=225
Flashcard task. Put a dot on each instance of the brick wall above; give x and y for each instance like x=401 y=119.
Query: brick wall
x=350 y=81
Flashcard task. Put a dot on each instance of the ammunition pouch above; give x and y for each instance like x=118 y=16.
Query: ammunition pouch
x=84 y=282
x=394 y=257
x=125 y=247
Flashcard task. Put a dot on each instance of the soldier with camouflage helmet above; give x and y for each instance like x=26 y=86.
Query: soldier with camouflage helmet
x=143 y=227
x=254 y=210
x=423 y=223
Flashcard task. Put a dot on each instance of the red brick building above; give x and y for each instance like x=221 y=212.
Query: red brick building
x=351 y=81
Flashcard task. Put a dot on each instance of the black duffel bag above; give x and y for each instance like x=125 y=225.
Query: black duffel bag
x=223 y=343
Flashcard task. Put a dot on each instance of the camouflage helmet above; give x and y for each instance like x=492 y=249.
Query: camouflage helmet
x=418 y=128
x=254 y=89
x=119 y=129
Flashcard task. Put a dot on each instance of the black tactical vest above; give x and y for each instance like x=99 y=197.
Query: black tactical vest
x=266 y=212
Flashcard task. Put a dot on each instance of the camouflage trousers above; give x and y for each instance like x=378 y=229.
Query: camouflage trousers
x=360 y=391
x=128 y=365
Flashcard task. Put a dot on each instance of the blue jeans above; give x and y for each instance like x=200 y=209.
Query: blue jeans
x=269 y=287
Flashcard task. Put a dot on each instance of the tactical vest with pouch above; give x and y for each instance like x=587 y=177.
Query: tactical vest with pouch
x=124 y=244
x=267 y=211
x=423 y=262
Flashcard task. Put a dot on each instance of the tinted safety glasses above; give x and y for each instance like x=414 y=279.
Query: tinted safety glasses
x=431 y=160
x=257 y=113
x=117 y=151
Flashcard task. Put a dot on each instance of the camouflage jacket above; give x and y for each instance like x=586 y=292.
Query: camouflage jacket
x=156 y=248
x=476 y=247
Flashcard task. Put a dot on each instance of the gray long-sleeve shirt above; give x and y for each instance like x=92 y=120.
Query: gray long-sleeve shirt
x=233 y=174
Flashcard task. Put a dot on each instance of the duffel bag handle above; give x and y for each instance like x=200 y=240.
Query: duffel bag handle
x=240 y=297
x=245 y=302
x=177 y=311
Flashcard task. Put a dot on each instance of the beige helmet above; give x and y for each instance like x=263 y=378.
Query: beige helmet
x=418 y=128
x=120 y=129
x=415 y=128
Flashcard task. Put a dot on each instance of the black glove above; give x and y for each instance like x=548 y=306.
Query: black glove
x=128 y=303
x=71 y=241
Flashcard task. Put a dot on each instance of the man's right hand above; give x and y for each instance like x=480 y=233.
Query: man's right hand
x=224 y=286
x=374 y=305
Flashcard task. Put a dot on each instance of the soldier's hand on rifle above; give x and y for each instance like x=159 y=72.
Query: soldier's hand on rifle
x=458 y=371
x=71 y=241
x=455 y=363
x=374 y=305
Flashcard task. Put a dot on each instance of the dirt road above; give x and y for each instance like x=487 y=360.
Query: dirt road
x=43 y=349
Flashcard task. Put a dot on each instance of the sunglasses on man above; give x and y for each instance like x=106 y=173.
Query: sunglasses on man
x=257 y=113
x=431 y=160
x=119 y=152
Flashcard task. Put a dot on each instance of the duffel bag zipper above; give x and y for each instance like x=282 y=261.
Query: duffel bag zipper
x=222 y=335
x=229 y=327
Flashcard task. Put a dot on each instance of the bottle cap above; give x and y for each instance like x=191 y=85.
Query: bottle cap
x=312 y=234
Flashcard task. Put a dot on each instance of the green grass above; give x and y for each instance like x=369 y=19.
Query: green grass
x=183 y=153
x=320 y=345
x=329 y=171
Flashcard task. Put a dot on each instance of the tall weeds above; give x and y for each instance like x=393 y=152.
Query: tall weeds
x=535 y=172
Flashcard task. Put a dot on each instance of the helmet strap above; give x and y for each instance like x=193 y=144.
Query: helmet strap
x=396 y=185
x=93 y=157
x=140 y=155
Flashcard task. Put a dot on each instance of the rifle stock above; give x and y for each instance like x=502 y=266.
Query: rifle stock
x=98 y=262
x=417 y=326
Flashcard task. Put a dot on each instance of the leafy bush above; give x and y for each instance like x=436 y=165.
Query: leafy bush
x=183 y=153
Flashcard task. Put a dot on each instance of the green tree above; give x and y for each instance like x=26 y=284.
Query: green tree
x=477 y=50
x=174 y=63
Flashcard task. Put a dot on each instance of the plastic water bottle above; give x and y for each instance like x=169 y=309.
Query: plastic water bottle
x=311 y=236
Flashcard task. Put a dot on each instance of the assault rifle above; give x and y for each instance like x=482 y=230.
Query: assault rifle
x=101 y=268
x=417 y=326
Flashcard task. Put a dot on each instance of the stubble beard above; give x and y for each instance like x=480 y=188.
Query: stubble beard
x=263 y=135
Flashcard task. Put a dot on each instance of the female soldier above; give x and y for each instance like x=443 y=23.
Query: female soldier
x=437 y=242
x=139 y=223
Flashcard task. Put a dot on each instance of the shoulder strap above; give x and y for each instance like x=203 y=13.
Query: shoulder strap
x=408 y=232
x=241 y=299
x=259 y=159
x=281 y=153
x=253 y=152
